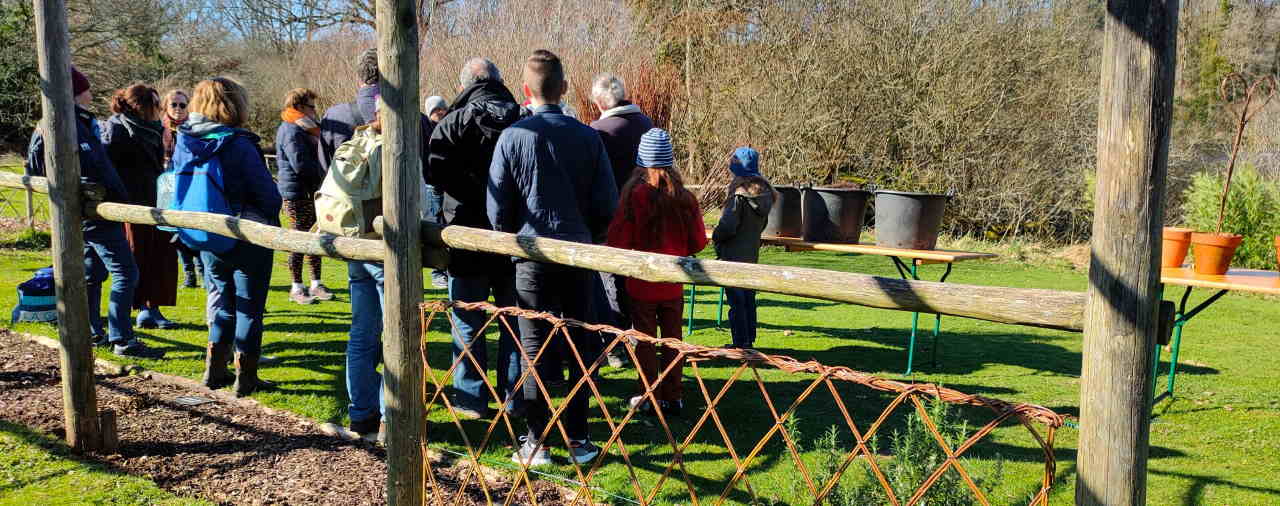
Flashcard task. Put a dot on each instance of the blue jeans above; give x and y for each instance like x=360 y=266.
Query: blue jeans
x=434 y=205
x=742 y=316
x=364 y=349
x=107 y=251
x=241 y=277
x=468 y=380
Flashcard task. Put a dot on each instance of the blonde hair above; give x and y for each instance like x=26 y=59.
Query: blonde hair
x=296 y=97
x=221 y=100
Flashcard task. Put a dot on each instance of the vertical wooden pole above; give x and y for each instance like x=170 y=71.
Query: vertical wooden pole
x=31 y=209
x=1121 y=320
x=401 y=197
x=62 y=166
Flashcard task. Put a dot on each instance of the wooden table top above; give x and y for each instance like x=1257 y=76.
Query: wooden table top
x=1241 y=280
x=917 y=255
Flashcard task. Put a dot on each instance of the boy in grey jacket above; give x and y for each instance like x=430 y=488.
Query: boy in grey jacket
x=737 y=236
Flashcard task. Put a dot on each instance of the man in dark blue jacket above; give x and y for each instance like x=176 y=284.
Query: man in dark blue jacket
x=551 y=177
x=105 y=248
x=461 y=149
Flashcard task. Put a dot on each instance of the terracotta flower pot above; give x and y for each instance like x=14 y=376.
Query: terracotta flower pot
x=1213 y=252
x=1174 y=250
x=1278 y=250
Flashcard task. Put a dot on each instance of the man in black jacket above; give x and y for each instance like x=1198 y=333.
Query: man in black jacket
x=461 y=148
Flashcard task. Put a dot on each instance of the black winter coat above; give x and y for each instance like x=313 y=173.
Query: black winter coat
x=461 y=148
x=138 y=157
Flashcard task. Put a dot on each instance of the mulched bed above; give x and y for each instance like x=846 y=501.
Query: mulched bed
x=227 y=452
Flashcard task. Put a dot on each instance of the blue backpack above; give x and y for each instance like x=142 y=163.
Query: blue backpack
x=198 y=186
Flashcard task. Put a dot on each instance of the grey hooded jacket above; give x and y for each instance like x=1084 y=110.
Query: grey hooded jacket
x=737 y=235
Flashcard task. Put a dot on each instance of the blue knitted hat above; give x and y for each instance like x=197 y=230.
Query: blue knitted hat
x=745 y=162
x=655 y=150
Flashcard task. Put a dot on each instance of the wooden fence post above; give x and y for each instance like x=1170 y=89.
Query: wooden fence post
x=1121 y=321
x=31 y=209
x=401 y=198
x=62 y=165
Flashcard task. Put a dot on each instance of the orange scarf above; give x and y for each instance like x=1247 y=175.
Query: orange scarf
x=291 y=115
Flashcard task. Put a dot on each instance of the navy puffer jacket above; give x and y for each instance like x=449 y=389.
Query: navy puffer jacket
x=298 y=170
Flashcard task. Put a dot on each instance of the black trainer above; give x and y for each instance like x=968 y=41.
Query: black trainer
x=135 y=348
x=99 y=340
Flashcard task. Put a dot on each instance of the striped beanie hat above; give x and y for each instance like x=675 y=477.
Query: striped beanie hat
x=655 y=150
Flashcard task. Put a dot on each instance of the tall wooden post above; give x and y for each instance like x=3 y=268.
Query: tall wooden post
x=62 y=166
x=31 y=209
x=1121 y=312
x=402 y=230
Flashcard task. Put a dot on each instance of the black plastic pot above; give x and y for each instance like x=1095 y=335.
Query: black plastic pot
x=834 y=214
x=785 y=218
x=909 y=220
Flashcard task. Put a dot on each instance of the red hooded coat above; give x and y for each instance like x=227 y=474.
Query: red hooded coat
x=630 y=230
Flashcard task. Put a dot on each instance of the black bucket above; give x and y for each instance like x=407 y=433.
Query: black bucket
x=785 y=218
x=834 y=214
x=909 y=220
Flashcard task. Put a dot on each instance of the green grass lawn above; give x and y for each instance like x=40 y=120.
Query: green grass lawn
x=35 y=469
x=1218 y=442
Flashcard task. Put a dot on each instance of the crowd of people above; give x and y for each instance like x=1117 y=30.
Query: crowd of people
x=488 y=161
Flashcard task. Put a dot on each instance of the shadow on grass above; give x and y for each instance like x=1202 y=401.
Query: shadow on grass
x=1195 y=492
x=53 y=447
x=958 y=352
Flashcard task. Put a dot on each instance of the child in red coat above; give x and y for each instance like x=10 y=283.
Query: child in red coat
x=657 y=214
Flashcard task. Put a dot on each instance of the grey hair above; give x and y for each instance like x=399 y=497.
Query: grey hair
x=607 y=90
x=478 y=69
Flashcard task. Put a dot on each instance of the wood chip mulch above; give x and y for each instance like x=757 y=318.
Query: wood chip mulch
x=228 y=451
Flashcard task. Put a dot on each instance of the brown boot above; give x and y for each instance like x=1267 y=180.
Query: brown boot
x=216 y=374
x=247 y=381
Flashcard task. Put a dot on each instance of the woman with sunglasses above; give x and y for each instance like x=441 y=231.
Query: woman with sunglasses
x=134 y=138
x=175 y=114
x=299 y=175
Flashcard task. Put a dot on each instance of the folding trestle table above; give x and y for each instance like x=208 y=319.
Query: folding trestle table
x=906 y=261
x=1240 y=280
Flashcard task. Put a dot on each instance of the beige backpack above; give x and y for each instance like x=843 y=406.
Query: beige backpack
x=351 y=195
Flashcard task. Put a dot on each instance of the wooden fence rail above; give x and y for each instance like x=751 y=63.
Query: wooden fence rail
x=1054 y=309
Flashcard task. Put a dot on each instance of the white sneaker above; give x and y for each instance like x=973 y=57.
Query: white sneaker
x=530 y=455
x=641 y=405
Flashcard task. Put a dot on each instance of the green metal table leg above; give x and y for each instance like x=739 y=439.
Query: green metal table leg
x=720 y=308
x=693 y=302
x=1173 y=353
x=937 y=321
x=1180 y=320
x=915 y=322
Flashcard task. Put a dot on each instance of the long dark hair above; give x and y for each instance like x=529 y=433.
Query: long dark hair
x=672 y=203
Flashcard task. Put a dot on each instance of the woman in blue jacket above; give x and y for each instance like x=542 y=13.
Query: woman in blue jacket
x=241 y=275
